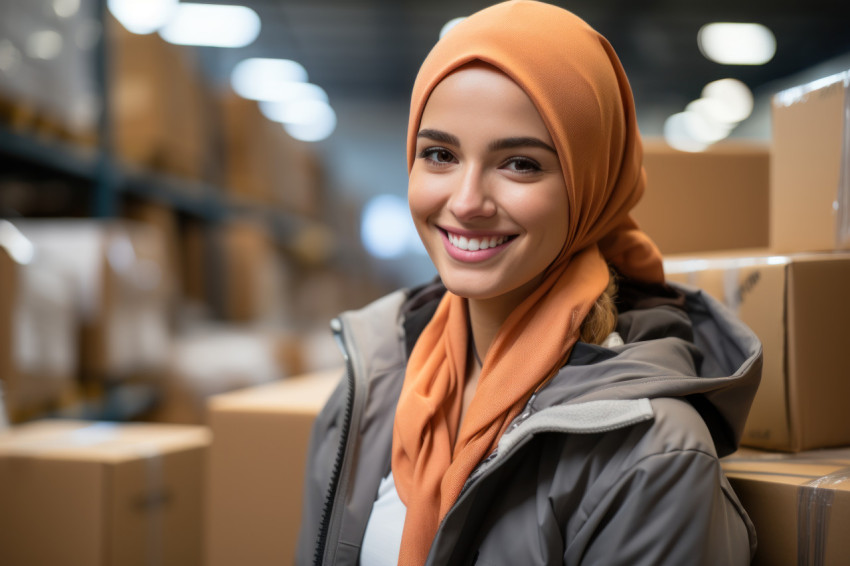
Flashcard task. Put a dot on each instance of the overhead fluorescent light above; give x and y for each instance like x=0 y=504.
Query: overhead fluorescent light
x=679 y=132
x=142 y=16
x=734 y=97
x=737 y=43
x=212 y=25
x=267 y=79
x=309 y=120
x=277 y=110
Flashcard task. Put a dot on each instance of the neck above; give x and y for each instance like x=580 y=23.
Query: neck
x=485 y=324
x=486 y=316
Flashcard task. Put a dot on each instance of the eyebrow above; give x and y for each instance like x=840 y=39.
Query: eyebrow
x=496 y=145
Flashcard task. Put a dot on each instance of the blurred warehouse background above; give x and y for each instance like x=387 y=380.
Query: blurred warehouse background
x=188 y=196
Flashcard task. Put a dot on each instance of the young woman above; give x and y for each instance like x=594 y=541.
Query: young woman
x=515 y=412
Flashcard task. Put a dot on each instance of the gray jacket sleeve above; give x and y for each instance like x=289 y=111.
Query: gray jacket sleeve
x=671 y=508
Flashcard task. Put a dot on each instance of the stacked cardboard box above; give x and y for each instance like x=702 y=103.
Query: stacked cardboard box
x=263 y=164
x=214 y=358
x=158 y=104
x=257 y=467
x=686 y=207
x=793 y=294
x=117 y=273
x=83 y=493
x=810 y=169
x=38 y=334
x=797 y=305
x=799 y=504
x=237 y=270
x=52 y=94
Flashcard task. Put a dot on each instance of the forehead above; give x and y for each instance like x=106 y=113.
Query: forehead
x=481 y=97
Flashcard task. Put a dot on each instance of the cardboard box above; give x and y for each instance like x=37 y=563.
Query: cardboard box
x=212 y=358
x=798 y=306
x=810 y=181
x=799 y=504
x=159 y=103
x=246 y=275
x=38 y=333
x=118 y=277
x=264 y=165
x=712 y=200
x=257 y=469
x=81 y=493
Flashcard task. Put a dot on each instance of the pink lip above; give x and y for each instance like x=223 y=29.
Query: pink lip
x=470 y=256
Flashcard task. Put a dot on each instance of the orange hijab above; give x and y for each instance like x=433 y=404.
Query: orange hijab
x=578 y=85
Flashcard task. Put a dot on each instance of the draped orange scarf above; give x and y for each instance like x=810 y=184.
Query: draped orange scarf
x=578 y=86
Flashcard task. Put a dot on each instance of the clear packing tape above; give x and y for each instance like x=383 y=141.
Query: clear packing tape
x=842 y=200
x=814 y=502
x=814 y=498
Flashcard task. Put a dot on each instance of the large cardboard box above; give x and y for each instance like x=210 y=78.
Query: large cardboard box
x=119 y=278
x=712 y=200
x=158 y=103
x=264 y=165
x=257 y=469
x=798 y=306
x=799 y=504
x=38 y=333
x=80 y=493
x=809 y=176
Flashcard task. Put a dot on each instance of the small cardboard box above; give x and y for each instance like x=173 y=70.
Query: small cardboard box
x=799 y=504
x=809 y=177
x=82 y=493
x=699 y=202
x=257 y=465
x=798 y=306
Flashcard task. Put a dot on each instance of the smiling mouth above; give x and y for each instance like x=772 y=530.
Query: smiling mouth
x=476 y=244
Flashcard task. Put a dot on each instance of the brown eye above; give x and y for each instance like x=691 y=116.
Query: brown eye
x=438 y=155
x=522 y=165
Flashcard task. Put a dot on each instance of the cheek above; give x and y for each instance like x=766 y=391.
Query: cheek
x=423 y=199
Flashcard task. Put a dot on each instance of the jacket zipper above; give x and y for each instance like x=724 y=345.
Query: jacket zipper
x=321 y=542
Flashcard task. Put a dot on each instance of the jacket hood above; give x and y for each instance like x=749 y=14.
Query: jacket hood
x=679 y=343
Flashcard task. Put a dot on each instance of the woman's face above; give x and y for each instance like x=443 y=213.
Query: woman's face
x=486 y=189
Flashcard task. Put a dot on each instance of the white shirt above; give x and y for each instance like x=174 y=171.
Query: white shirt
x=382 y=541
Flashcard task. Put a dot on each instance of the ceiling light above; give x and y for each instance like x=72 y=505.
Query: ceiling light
x=266 y=79
x=276 y=110
x=678 y=133
x=66 y=8
x=737 y=44
x=212 y=25
x=142 y=16
x=449 y=25
x=44 y=44
x=702 y=124
x=309 y=120
x=735 y=98
x=386 y=227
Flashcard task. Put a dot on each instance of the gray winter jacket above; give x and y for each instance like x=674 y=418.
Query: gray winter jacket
x=615 y=461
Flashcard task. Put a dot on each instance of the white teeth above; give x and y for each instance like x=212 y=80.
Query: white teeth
x=475 y=244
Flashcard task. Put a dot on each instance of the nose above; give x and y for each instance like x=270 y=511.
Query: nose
x=472 y=197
